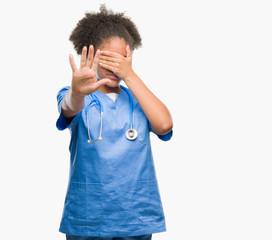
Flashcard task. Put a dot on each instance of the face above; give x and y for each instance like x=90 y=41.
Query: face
x=117 y=45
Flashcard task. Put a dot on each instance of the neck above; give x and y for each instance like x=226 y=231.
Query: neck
x=105 y=89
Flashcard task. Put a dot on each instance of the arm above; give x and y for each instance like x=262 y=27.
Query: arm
x=156 y=112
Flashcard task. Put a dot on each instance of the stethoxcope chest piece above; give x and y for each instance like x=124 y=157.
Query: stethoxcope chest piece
x=131 y=134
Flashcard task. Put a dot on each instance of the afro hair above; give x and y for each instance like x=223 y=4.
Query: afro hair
x=95 y=28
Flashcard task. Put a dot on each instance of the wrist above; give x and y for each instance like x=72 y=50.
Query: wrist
x=74 y=102
x=130 y=77
x=76 y=95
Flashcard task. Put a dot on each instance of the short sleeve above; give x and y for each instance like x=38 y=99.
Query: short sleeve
x=62 y=122
x=165 y=137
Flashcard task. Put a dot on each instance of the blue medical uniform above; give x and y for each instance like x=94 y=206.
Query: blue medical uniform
x=112 y=190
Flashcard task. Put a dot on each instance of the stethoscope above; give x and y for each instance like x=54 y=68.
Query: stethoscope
x=131 y=134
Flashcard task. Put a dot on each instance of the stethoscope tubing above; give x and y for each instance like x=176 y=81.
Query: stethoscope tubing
x=101 y=119
x=131 y=133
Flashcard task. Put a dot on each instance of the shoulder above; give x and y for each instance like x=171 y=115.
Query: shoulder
x=64 y=89
x=130 y=94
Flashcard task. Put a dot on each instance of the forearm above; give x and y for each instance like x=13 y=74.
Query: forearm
x=72 y=104
x=156 y=112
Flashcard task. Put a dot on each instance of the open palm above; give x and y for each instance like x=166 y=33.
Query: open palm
x=83 y=82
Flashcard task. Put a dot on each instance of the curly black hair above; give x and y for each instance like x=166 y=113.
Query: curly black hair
x=95 y=28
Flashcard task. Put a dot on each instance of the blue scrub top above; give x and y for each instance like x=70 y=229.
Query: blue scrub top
x=112 y=189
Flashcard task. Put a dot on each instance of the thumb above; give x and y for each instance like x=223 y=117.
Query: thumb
x=101 y=82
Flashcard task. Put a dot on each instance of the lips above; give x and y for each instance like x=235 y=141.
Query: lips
x=112 y=76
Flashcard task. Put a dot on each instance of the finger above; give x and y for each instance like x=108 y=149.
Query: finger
x=113 y=64
x=107 y=66
x=83 y=57
x=96 y=60
x=72 y=63
x=111 y=59
x=128 y=51
x=90 y=57
x=111 y=54
x=101 y=82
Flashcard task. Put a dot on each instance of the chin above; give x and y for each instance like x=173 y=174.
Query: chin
x=114 y=83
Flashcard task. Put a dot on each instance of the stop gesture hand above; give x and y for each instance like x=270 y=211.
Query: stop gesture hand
x=83 y=82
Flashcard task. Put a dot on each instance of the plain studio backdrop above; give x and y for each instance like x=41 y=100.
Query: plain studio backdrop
x=209 y=62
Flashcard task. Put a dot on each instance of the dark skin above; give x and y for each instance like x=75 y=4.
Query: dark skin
x=113 y=63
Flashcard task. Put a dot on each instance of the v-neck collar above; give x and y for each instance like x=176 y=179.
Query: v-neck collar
x=105 y=96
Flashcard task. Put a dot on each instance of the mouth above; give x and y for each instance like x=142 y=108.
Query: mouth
x=113 y=76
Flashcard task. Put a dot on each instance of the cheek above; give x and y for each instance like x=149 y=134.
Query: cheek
x=101 y=72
